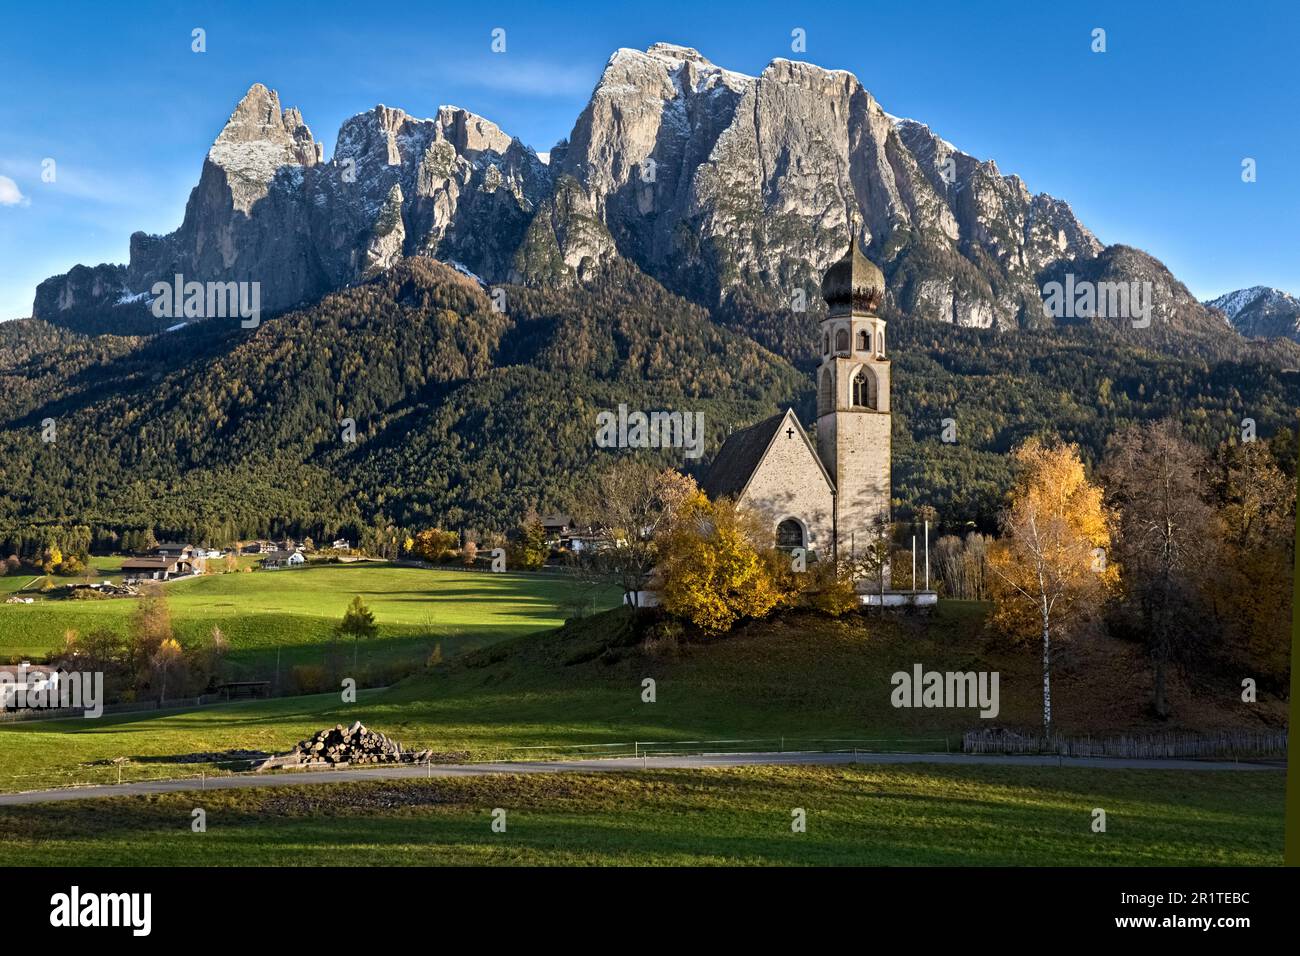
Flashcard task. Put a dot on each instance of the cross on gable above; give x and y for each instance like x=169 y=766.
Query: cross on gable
x=789 y=433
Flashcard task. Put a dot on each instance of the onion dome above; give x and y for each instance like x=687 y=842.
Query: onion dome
x=855 y=281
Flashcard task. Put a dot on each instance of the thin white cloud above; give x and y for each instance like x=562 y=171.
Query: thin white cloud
x=74 y=181
x=10 y=194
x=523 y=77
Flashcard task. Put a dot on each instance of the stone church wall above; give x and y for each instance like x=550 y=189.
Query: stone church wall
x=789 y=484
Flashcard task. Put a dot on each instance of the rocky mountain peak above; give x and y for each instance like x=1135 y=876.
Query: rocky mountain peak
x=733 y=190
x=258 y=118
x=470 y=133
x=676 y=53
x=1233 y=304
x=1260 y=312
x=257 y=142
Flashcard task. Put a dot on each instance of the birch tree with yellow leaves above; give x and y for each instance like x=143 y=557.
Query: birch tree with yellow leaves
x=1050 y=563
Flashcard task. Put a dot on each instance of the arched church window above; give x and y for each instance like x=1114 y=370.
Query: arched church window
x=826 y=343
x=789 y=534
x=880 y=343
x=864 y=389
x=825 y=394
x=864 y=341
x=842 y=340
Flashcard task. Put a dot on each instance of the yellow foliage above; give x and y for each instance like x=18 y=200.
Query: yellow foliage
x=1056 y=532
x=714 y=571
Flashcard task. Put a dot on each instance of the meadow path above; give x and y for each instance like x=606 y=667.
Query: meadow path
x=604 y=765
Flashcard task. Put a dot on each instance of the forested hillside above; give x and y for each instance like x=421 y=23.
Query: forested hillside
x=466 y=417
x=461 y=414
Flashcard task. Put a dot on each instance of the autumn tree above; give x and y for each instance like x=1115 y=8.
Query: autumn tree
x=715 y=570
x=633 y=505
x=1249 y=594
x=528 y=551
x=434 y=545
x=1049 y=566
x=165 y=661
x=870 y=561
x=204 y=661
x=1156 y=487
x=960 y=565
x=829 y=587
x=149 y=626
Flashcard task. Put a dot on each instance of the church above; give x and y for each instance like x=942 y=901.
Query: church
x=827 y=492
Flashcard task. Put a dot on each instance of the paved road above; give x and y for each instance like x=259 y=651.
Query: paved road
x=603 y=765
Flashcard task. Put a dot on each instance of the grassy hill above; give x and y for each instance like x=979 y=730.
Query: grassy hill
x=798 y=681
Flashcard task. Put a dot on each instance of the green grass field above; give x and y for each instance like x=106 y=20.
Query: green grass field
x=918 y=815
x=103 y=568
x=577 y=686
x=798 y=682
x=294 y=611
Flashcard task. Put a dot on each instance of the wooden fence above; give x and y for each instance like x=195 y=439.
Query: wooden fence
x=1220 y=745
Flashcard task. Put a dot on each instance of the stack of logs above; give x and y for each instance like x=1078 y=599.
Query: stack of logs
x=337 y=747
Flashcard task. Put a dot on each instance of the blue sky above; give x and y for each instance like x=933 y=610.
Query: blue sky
x=1145 y=140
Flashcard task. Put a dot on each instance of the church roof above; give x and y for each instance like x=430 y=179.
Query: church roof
x=738 y=457
x=743 y=452
x=854 y=281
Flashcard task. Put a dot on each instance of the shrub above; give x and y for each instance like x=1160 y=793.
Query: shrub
x=830 y=590
x=307 y=679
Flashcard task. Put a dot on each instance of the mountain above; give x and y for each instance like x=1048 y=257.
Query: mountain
x=657 y=259
x=733 y=191
x=463 y=415
x=268 y=210
x=1261 y=312
x=737 y=190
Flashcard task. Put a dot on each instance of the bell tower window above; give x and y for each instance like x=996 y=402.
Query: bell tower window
x=864 y=341
x=842 y=340
x=864 y=389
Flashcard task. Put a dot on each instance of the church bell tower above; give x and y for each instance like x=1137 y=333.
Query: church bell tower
x=853 y=419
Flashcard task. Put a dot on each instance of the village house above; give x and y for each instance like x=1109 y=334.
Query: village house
x=179 y=551
x=156 y=568
x=283 y=559
x=558 y=526
x=24 y=678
